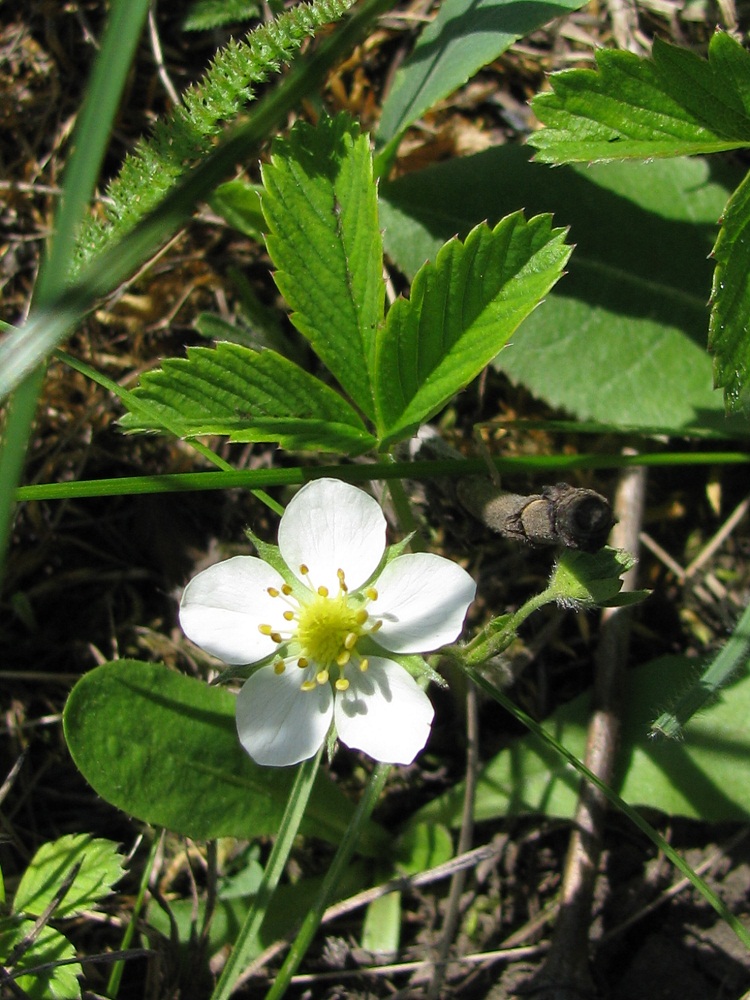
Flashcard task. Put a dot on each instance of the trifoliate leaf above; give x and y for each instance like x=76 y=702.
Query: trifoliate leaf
x=673 y=104
x=249 y=396
x=100 y=867
x=320 y=205
x=461 y=312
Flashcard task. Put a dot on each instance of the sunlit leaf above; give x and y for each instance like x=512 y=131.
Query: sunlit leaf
x=100 y=867
x=320 y=205
x=248 y=396
x=461 y=311
x=631 y=107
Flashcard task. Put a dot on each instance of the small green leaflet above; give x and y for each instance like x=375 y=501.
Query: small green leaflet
x=249 y=396
x=100 y=867
x=633 y=108
x=461 y=312
x=320 y=204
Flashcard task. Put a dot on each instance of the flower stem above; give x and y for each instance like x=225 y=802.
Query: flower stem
x=333 y=877
x=241 y=952
x=499 y=634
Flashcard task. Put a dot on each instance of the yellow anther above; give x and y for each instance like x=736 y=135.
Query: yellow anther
x=265 y=629
x=308 y=686
x=341 y=684
x=273 y=592
x=289 y=616
x=322 y=591
x=342 y=581
x=276 y=637
x=322 y=677
x=286 y=590
x=364 y=663
x=304 y=570
x=361 y=616
x=371 y=593
x=278 y=667
x=376 y=625
x=343 y=658
x=303 y=663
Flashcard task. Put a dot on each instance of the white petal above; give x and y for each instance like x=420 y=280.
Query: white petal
x=278 y=723
x=329 y=525
x=383 y=712
x=222 y=607
x=422 y=601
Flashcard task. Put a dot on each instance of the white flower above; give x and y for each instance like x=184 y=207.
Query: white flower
x=323 y=629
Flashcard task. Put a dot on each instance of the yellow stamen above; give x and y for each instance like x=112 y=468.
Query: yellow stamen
x=289 y=616
x=364 y=663
x=322 y=677
x=341 y=684
x=278 y=667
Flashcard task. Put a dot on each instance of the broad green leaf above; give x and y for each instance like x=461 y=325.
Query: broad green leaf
x=632 y=108
x=56 y=983
x=621 y=339
x=164 y=748
x=729 y=329
x=320 y=205
x=249 y=396
x=705 y=776
x=464 y=36
x=461 y=311
x=101 y=867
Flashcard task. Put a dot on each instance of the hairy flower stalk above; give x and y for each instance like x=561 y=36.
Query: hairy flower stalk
x=322 y=636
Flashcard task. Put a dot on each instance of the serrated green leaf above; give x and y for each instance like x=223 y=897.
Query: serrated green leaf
x=704 y=777
x=320 y=205
x=56 y=983
x=621 y=340
x=462 y=310
x=164 y=748
x=729 y=328
x=464 y=36
x=101 y=867
x=249 y=396
x=672 y=105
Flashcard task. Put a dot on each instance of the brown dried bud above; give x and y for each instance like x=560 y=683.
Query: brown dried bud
x=559 y=515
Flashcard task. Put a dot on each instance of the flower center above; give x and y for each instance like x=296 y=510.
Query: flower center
x=324 y=631
x=328 y=629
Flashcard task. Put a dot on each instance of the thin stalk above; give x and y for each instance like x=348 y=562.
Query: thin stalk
x=297 y=476
x=333 y=877
x=118 y=968
x=241 y=954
